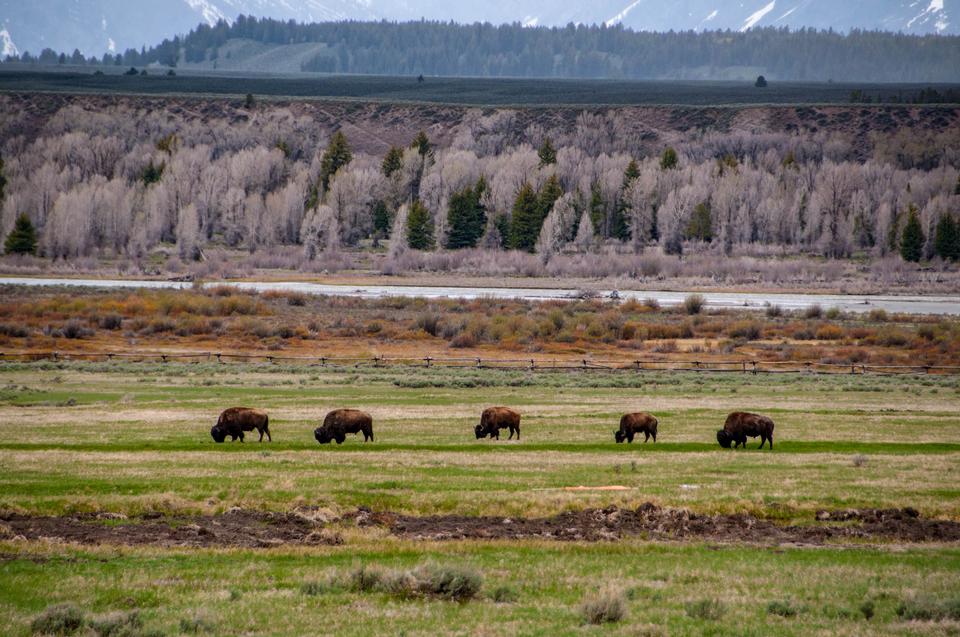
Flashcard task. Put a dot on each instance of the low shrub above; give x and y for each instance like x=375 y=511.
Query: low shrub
x=454 y=583
x=813 y=312
x=749 y=330
x=75 y=329
x=16 y=331
x=59 y=619
x=429 y=323
x=829 y=333
x=877 y=316
x=868 y=609
x=111 y=322
x=774 y=311
x=118 y=625
x=504 y=595
x=606 y=607
x=195 y=625
x=927 y=608
x=708 y=609
x=782 y=608
x=694 y=303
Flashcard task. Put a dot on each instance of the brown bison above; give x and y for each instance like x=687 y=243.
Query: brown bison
x=634 y=424
x=740 y=425
x=340 y=422
x=494 y=419
x=234 y=421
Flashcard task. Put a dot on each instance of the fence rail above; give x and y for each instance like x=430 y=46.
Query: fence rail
x=742 y=366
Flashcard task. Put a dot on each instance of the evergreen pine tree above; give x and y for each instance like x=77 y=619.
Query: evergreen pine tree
x=631 y=173
x=419 y=227
x=421 y=143
x=618 y=224
x=334 y=158
x=467 y=217
x=945 y=240
x=701 y=225
x=525 y=225
x=669 y=159
x=597 y=209
x=22 y=239
x=547 y=153
x=550 y=191
x=911 y=245
x=381 y=218
x=392 y=161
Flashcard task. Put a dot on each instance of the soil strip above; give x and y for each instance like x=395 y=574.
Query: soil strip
x=240 y=528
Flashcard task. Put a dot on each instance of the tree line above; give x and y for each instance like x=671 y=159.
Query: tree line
x=76 y=194
x=575 y=51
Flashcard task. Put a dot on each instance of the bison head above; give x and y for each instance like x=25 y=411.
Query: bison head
x=724 y=439
x=618 y=436
x=322 y=436
x=479 y=431
x=218 y=433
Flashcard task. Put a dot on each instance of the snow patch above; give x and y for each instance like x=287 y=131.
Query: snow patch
x=210 y=12
x=756 y=17
x=623 y=14
x=111 y=45
x=9 y=48
x=935 y=7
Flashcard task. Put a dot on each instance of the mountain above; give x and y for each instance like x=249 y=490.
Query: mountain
x=98 y=26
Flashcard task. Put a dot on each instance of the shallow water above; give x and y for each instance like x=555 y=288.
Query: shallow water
x=948 y=305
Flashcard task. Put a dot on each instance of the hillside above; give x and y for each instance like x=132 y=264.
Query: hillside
x=99 y=26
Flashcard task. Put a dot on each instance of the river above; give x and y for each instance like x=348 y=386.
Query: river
x=948 y=305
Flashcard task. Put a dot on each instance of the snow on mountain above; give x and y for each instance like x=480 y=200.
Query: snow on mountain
x=9 y=48
x=96 y=26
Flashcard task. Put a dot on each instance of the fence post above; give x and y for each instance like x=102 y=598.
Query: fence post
x=427 y=360
x=533 y=364
x=754 y=366
x=54 y=356
x=270 y=359
x=219 y=359
x=744 y=365
x=926 y=369
x=163 y=358
x=479 y=365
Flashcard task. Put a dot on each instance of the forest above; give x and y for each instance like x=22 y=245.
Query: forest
x=575 y=51
x=115 y=184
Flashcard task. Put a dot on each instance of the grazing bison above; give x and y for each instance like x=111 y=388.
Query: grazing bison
x=634 y=424
x=740 y=425
x=340 y=422
x=234 y=421
x=494 y=419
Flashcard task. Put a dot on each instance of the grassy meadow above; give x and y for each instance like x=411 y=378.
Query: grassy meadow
x=134 y=438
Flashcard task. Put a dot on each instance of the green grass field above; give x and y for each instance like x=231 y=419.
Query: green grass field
x=134 y=438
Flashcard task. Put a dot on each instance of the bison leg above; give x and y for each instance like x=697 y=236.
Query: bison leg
x=646 y=436
x=654 y=434
x=630 y=436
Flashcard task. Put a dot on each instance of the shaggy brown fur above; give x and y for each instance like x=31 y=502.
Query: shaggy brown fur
x=494 y=419
x=235 y=420
x=634 y=424
x=340 y=422
x=740 y=425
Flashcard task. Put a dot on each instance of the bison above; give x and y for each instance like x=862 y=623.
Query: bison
x=235 y=420
x=739 y=425
x=494 y=419
x=634 y=424
x=340 y=422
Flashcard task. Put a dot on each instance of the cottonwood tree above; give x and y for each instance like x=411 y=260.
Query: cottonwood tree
x=555 y=230
x=320 y=232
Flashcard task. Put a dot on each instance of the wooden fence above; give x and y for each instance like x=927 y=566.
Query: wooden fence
x=742 y=366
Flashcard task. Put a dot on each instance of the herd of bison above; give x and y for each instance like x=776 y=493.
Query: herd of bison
x=338 y=423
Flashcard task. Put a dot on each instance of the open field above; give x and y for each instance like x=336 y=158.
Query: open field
x=446 y=90
x=133 y=440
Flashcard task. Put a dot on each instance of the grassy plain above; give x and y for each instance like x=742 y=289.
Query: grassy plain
x=443 y=90
x=130 y=438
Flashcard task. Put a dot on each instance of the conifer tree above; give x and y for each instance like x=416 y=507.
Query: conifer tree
x=392 y=161
x=669 y=159
x=22 y=239
x=419 y=227
x=701 y=224
x=334 y=158
x=422 y=144
x=526 y=220
x=911 y=245
x=467 y=217
x=547 y=153
x=946 y=242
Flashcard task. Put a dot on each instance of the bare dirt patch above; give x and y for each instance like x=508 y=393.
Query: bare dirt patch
x=254 y=529
x=235 y=528
x=656 y=523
